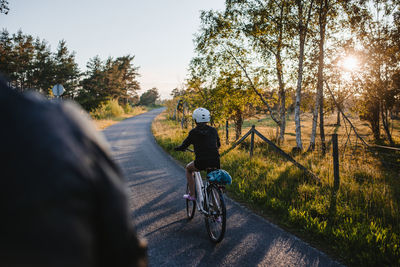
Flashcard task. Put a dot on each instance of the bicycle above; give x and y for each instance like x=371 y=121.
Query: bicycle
x=209 y=202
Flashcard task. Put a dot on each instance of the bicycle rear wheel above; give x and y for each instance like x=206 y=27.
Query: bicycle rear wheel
x=216 y=218
x=190 y=205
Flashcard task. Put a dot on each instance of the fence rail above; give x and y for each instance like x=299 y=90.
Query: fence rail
x=285 y=155
x=335 y=161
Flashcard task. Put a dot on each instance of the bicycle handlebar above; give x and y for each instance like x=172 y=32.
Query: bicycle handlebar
x=183 y=150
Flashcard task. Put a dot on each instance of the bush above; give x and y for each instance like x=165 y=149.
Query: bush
x=127 y=108
x=109 y=109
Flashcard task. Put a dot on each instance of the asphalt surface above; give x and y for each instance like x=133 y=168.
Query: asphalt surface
x=155 y=185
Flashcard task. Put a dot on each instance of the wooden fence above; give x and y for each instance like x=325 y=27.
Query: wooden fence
x=252 y=132
x=335 y=152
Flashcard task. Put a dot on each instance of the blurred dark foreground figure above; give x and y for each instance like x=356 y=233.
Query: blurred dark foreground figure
x=62 y=199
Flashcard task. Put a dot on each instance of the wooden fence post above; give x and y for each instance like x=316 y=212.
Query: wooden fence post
x=236 y=143
x=336 y=182
x=252 y=141
x=285 y=155
x=227 y=132
x=183 y=117
x=335 y=150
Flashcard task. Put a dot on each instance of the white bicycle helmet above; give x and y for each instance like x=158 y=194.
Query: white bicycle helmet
x=201 y=115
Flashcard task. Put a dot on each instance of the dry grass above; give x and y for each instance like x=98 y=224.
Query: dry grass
x=101 y=124
x=267 y=127
x=365 y=227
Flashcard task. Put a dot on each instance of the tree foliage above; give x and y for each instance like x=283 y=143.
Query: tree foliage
x=65 y=69
x=4 y=7
x=375 y=25
x=29 y=63
x=284 y=50
x=149 y=97
x=111 y=79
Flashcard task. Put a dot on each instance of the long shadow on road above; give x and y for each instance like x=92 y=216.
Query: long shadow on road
x=156 y=184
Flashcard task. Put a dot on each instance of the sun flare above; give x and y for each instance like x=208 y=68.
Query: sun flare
x=349 y=63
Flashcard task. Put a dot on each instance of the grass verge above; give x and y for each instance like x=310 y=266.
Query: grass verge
x=363 y=228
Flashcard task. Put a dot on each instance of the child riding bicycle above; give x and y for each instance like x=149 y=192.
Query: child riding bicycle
x=206 y=143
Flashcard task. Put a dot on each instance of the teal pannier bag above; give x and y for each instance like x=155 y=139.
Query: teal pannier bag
x=219 y=176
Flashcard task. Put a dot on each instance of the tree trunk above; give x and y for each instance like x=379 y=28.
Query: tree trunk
x=375 y=129
x=303 y=35
x=283 y=116
x=238 y=124
x=321 y=123
x=279 y=74
x=183 y=125
x=338 y=118
x=385 y=123
x=323 y=10
x=314 y=124
x=227 y=132
x=277 y=130
x=174 y=115
x=374 y=118
x=302 y=32
x=299 y=143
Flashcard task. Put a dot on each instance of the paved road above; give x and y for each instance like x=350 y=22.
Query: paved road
x=156 y=185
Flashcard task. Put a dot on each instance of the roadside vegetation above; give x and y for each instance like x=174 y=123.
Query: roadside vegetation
x=364 y=229
x=301 y=71
x=298 y=70
x=111 y=112
x=108 y=89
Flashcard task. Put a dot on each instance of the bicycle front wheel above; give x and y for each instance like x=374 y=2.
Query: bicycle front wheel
x=190 y=205
x=216 y=218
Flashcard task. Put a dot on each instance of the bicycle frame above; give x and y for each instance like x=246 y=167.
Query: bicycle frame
x=211 y=204
x=201 y=192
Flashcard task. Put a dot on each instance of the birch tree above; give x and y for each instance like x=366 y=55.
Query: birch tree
x=262 y=26
x=304 y=13
x=323 y=12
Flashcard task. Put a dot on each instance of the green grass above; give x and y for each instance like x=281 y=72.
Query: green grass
x=364 y=227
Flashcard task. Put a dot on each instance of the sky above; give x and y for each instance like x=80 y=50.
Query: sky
x=159 y=33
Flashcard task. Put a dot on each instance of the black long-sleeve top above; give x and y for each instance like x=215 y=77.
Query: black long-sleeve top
x=205 y=140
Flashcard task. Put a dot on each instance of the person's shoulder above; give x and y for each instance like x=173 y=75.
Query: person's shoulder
x=211 y=128
x=11 y=100
x=192 y=131
x=65 y=118
x=81 y=121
